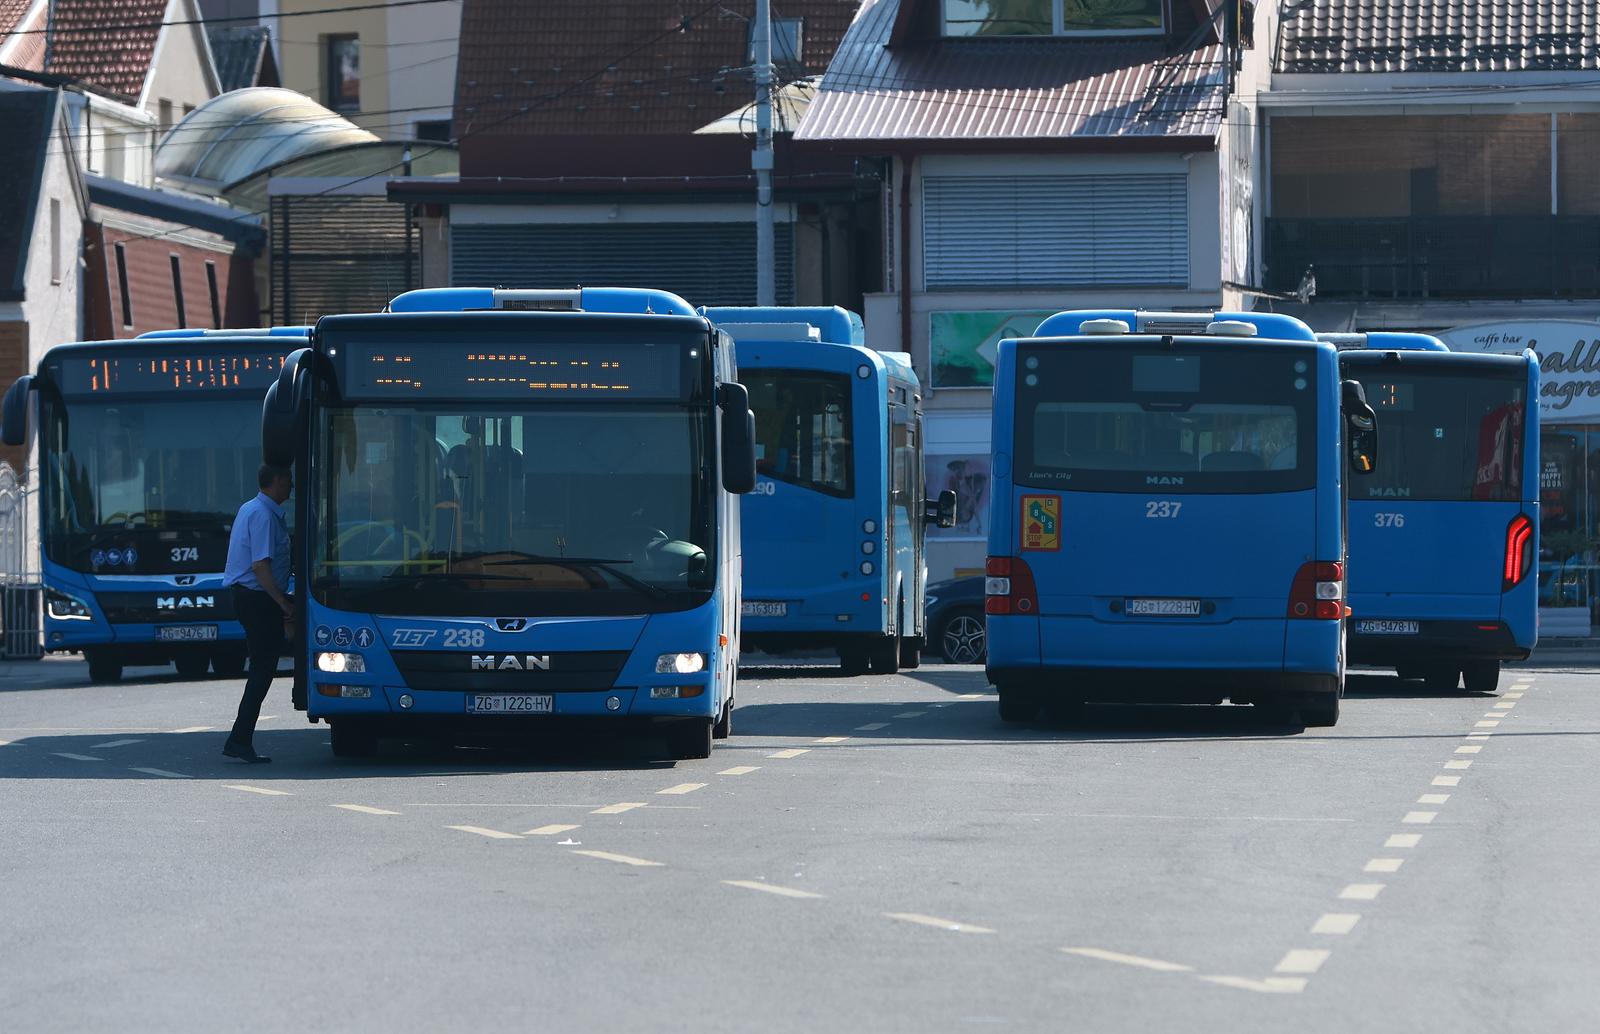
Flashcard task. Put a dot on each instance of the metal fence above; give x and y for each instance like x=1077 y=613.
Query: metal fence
x=20 y=634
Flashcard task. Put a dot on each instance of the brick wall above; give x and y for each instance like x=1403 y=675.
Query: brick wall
x=153 y=300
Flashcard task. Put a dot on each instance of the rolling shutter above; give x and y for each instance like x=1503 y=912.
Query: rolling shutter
x=706 y=263
x=1055 y=231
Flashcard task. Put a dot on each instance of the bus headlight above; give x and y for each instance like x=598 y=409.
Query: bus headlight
x=66 y=608
x=680 y=663
x=341 y=662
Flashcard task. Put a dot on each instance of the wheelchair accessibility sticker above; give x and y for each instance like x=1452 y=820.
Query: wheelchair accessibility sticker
x=1041 y=522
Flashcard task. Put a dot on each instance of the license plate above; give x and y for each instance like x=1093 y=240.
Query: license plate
x=765 y=609
x=1161 y=608
x=186 y=633
x=1376 y=626
x=510 y=703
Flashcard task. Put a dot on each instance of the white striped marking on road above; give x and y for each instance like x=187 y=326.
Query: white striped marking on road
x=1361 y=892
x=1446 y=780
x=831 y=739
x=1513 y=696
x=1271 y=985
x=549 y=831
x=1336 y=923
x=740 y=770
x=262 y=790
x=163 y=773
x=1497 y=715
x=1141 y=961
x=492 y=834
x=1504 y=705
x=194 y=728
x=771 y=888
x=1384 y=865
x=1302 y=960
x=621 y=859
x=1458 y=765
x=972 y=696
x=682 y=788
x=872 y=727
x=792 y=752
x=1485 y=724
x=910 y=714
x=934 y=921
x=1469 y=749
x=109 y=745
x=75 y=757
x=1403 y=840
x=1477 y=736
x=1433 y=798
x=364 y=810
x=1419 y=818
x=618 y=809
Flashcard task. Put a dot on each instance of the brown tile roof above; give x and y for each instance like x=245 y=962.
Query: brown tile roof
x=999 y=90
x=107 y=44
x=10 y=12
x=620 y=66
x=1438 y=36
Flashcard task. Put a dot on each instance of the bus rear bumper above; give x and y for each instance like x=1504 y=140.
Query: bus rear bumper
x=1168 y=685
x=1439 y=641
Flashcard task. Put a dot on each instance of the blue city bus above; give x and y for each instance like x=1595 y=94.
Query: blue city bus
x=516 y=507
x=147 y=447
x=834 y=532
x=1444 y=539
x=1168 y=521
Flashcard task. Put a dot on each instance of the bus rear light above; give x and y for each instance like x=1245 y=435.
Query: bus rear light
x=1008 y=587
x=1519 y=552
x=1317 y=592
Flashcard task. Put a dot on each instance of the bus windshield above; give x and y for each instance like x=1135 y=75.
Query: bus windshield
x=803 y=428
x=147 y=486
x=1452 y=437
x=463 y=509
x=1121 y=419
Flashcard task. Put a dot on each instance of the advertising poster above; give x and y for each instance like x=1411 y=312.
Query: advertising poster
x=961 y=345
x=1569 y=361
x=968 y=477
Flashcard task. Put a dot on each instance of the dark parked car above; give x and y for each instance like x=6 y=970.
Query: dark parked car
x=955 y=620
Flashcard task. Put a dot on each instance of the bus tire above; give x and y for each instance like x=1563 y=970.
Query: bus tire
x=724 y=727
x=1018 y=705
x=911 y=654
x=690 y=739
x=192 y=665
x=1441 y=679
x=884 y=656
x=854 y=660
x=104 y=665
x=1481 y=676
x=352 y=738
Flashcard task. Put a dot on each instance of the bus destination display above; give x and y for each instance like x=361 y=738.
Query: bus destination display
x=147 y=374
x=542 y=371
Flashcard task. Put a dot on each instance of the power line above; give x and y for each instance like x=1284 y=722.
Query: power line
x=57 y=30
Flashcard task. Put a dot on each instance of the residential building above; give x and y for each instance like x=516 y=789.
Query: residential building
x=1040 y=155
x=1435 y=161
x=244 y=56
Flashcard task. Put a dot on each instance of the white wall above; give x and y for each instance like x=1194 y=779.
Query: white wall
x=421 y=64
x=53 y=310
x=181 y=70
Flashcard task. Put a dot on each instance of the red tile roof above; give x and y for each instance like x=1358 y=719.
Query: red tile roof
x=622 y=66
x=1438 y=36
x=107 y=44
x=10 y=12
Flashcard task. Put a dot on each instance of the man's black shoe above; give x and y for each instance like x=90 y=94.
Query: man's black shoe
x=247 y=754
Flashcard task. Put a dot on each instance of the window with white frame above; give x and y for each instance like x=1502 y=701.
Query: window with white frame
x=1053 y=17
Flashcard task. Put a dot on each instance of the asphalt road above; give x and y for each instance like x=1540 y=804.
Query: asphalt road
x=878 y=854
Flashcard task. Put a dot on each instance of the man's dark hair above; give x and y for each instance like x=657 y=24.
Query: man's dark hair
x=269 y=473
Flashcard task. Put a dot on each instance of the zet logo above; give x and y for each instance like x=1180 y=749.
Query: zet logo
x=412 y=637
x=1041 y=522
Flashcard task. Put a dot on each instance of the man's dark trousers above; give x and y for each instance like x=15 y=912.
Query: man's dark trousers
x=263 y=635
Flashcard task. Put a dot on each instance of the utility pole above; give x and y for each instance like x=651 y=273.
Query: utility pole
x=761 y=160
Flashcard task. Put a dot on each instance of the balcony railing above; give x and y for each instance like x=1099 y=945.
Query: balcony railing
x=1438 y=257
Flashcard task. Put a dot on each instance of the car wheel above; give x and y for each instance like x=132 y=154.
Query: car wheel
x=961 y=639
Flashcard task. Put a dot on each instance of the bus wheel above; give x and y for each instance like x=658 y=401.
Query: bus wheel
x=690 y=739
x=1443 y=679
x=352 y=739
x=854 y=660
x=911 y=654
x=104 y=665
x=1481 y=676
x=884 y=656
x=1018 y=705
x=192 y=665
x=724 y=727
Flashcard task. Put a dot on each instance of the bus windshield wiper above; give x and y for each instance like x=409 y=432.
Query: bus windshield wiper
x=600 y=563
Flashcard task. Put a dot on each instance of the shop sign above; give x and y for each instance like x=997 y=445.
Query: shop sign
x=962 y=345
x=1569 y=361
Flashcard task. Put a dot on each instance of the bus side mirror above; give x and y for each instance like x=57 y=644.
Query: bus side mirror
x=941 y=512
x=284 y=411
x=1361 y=428
x=14 y=411
x=738 y=439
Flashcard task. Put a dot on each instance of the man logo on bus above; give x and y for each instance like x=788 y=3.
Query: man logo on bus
x=510 y=662
x=1041 y=522
x=1389 y=492
x=1163 y=479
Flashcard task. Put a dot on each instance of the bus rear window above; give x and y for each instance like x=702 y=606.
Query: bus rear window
x=1212 y=420
x=1446 y=436
x=802 y=428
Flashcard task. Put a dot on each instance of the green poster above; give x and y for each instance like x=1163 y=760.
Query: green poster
x=962 y=344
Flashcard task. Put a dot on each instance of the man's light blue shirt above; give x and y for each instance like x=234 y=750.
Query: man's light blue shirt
x=259 y=533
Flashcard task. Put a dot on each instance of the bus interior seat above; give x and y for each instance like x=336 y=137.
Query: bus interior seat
x=1232 y=461
x=1168 y=459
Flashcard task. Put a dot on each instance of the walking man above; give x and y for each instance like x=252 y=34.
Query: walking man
x=257 y=573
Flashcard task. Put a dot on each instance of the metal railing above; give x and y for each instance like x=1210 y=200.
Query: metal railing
x=21 y=635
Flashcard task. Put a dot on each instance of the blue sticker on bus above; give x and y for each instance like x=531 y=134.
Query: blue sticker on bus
x=323 y=635
x=342 y=636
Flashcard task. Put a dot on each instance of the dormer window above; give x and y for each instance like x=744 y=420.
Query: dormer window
x=1053 y=17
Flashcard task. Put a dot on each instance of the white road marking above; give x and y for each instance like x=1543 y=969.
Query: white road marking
x=1433 y=798
x=934 y=921
x=1361 y=892
x=1384 y=865
x=163 y=773
x=1468 y=749
x=1504 y=705
x=831 y=739
x=1403 y=840
x=1497 y=714
x=1485 y=724
x=363 y=809
x=109 y=745
x=194 y=728
x=1477 y=736
x=910 y=714
x=262 y=790
x=549 y=831
x=740 y=770
x=872 y=727
x=621 y=859
x=1458 y=765
x=1336 y=923
x=972 y=696
x=618 y=809
x=1446 y=780
x=1271 y=985
x=1419 y=818
x=75 y=757
x=1130 y=960
x=267 y=718
x=792 y=752
x=492 y=834
x=1302 y=960
x=771 y=888
x=682 y=788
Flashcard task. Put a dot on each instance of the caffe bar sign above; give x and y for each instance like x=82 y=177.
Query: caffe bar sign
x=1569 y=361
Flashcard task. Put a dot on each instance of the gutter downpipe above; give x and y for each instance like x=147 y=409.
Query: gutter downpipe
x=907 y=160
